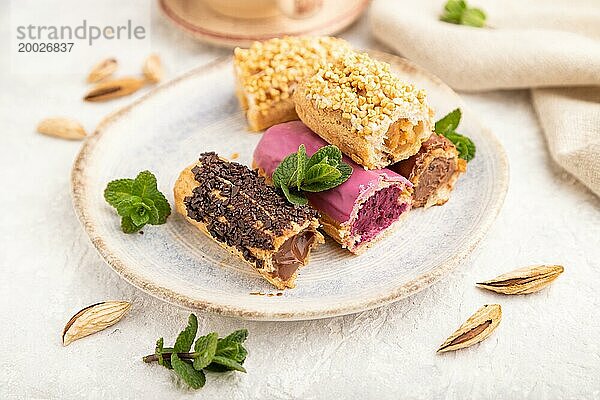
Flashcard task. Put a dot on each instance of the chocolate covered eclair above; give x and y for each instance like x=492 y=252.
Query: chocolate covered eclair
x=433 y=171
x=235 y=207
x=356 y=213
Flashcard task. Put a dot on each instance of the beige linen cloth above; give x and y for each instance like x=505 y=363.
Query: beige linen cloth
x=551 y=46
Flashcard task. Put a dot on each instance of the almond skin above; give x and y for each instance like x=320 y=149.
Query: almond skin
x=523 y=280
x=113 y=89
x=477 y=328
x=102 y=70
x=93 y=319
x=153 y=70
x=61 y=127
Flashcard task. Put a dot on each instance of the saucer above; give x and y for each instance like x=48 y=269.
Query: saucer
x=202 y=22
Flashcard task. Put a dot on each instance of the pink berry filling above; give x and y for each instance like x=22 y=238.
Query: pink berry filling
x=378 y=213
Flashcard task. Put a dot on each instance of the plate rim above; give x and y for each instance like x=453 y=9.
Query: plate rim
x=80 y=201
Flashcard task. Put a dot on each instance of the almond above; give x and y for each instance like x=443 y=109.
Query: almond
x=93 y=319
x=61 y=127
x=478 y=327
x=153 y=70
x=523 y=280
x=114 y=88
x=102 y=70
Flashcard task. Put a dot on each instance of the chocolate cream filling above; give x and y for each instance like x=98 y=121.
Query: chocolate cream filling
x=438 y=172
x=378 y=213
x=292 y=254
x=428 y=176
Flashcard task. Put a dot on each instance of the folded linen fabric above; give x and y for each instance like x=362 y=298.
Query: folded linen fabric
x=552 y=47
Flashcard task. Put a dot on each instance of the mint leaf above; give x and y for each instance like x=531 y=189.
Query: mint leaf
x=345 y=173
x=300 y=165
x=163 y=207
x=473 y=17
x=195 y=379
x=186 y=337
x=329 y=155
x=145 y=187
x=238 y=336
x=449 y=122
x=228 y=363
x=464 y=145
x=143 y=184
x=285 y=170
x=453 y=11
x=228 y=350
x=117 y=191
x=457 y=12
x=321 y=173
x=447 y=127
x=455 y=6
x=241 y=354
x=128 y=226
x=140 y=215
x=153 y=213
x=293 y=196
x=138 y=201
x=206 y=346
x=159 y=350
x=127 y=206
x=210 y=353
x=452 y=18
x=231 y=346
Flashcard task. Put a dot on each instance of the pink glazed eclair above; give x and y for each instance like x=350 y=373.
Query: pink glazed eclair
x=357 y=213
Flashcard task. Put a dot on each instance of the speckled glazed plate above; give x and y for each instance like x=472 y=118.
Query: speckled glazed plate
x=167 y=130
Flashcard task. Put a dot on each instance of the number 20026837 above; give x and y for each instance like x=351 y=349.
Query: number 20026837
x=35 y=47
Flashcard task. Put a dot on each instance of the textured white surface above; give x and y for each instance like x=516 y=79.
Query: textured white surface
x=546 y=346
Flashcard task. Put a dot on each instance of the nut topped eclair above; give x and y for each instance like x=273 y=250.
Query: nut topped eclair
x=357 y=213
x=267 y=74
x=433 y=171
x=357 y=104
x=232 y=205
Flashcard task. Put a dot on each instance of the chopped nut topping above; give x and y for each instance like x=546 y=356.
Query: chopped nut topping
x=269 y=71
x=370 y=97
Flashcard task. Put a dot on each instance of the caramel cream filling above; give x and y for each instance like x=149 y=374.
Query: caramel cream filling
x=401 y=137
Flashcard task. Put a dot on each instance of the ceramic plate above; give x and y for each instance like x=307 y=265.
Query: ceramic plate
x=167 y=129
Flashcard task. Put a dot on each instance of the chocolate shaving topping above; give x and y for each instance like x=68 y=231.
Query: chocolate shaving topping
x=239 y=208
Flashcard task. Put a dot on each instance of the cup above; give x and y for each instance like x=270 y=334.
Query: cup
x=253 y=9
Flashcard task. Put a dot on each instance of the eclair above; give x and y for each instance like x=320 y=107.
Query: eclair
x=234 y=206
x=356 y=213
x=357 y=104
x=267 y=74
x=433 y=171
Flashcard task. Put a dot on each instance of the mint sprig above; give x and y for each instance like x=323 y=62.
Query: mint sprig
x=211 y=353
x=297 y=173
x=457 y=12
x=447 y=127
x=138 y=201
